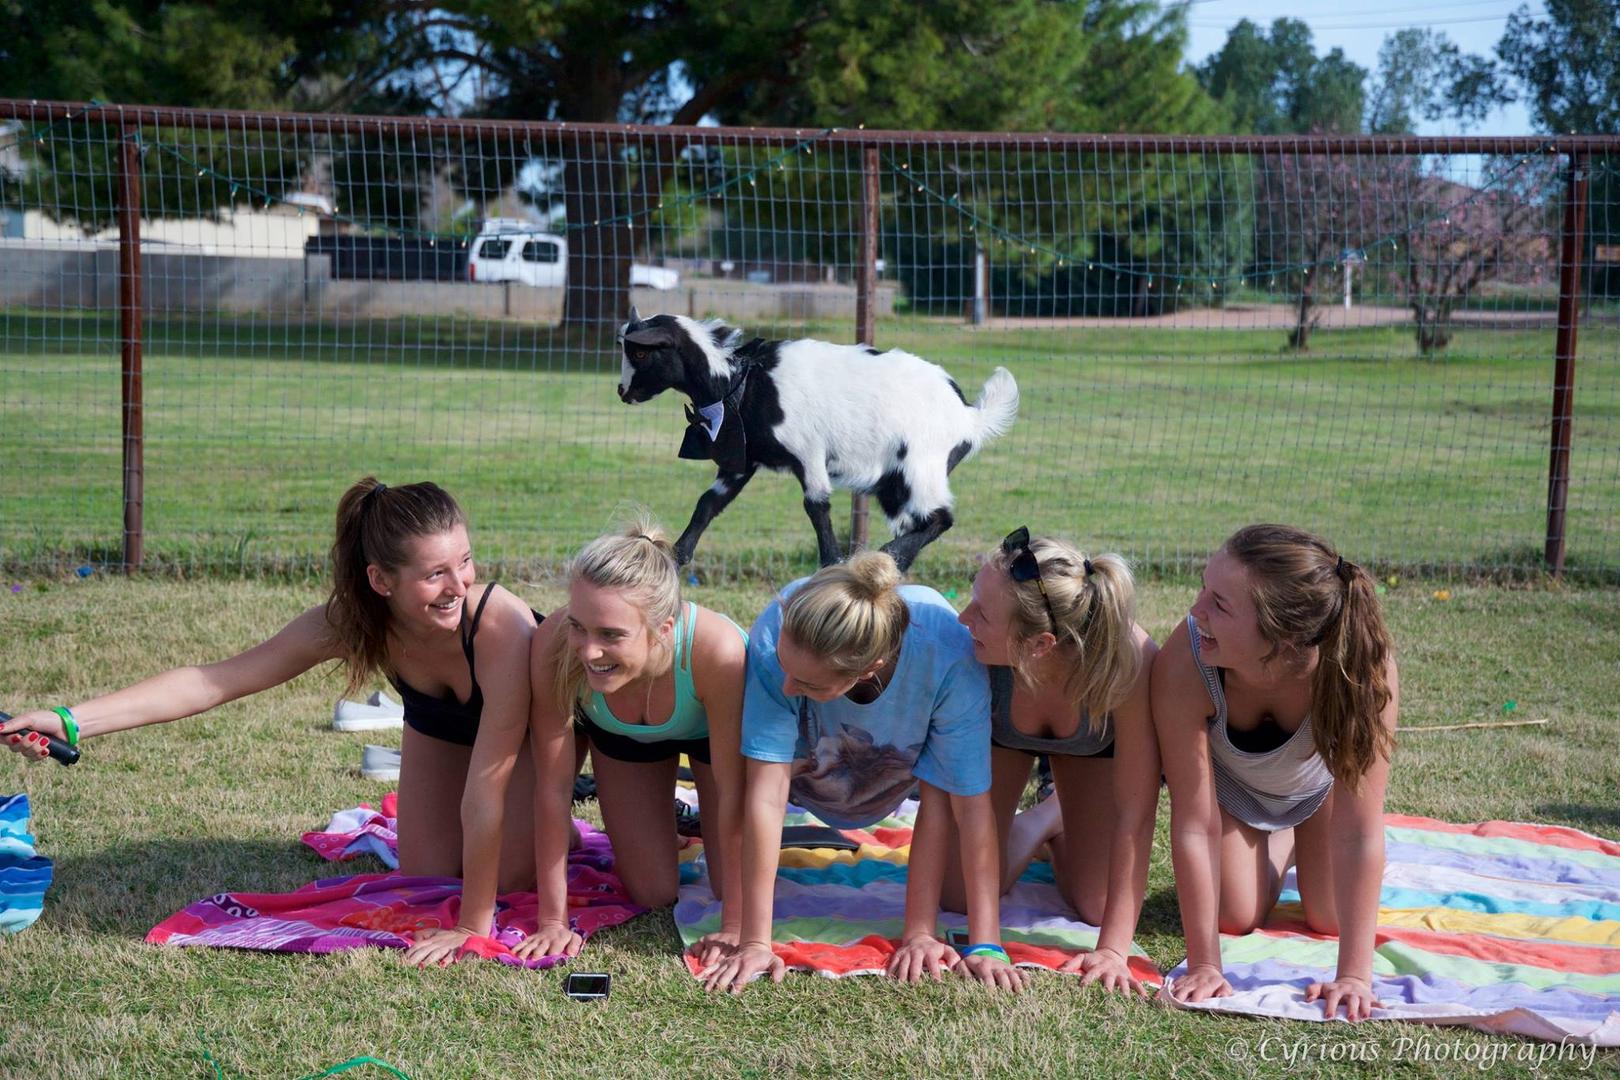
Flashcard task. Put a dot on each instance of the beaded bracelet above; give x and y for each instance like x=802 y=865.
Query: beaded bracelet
x=986 y=949
x=70 y=727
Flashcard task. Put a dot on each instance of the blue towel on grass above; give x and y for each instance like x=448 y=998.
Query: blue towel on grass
x=24 y=874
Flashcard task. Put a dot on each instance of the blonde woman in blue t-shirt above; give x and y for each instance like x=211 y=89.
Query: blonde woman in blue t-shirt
x=861 y=690
x=646 y=678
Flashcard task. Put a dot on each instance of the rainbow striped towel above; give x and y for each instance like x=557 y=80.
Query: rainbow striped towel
x=1502 y=926
x=840 y=912
x=24 y=873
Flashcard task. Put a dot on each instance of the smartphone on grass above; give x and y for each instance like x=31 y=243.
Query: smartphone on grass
x=587 y=985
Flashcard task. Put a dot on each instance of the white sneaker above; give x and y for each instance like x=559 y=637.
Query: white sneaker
x=355 y=716
x=379 y=697
x=379 y=763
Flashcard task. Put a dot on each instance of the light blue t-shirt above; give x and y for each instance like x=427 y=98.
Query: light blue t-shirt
x=853 y=763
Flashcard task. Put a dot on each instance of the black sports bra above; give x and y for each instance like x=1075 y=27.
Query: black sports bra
x=446 y=717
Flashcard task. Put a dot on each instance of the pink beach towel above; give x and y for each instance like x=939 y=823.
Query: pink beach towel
x=386 y=910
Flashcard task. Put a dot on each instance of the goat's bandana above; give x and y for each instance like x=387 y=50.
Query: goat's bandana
x=714 y=431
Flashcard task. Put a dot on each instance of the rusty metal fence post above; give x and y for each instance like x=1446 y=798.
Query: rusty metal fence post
x=865 y=314
x=129 y=335
x=1563 y=404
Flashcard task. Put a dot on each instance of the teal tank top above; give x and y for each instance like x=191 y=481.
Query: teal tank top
x=688 y=720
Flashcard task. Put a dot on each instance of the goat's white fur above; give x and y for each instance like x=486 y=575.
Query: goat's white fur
x=847 y=412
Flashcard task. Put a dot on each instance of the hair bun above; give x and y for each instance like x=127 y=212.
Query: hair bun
x=874 y=573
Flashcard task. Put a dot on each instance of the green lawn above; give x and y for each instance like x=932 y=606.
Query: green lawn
x=153 y=820
x=1154 y=442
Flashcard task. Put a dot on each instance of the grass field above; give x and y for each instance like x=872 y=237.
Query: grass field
x=1154 y=442
x=155 y=819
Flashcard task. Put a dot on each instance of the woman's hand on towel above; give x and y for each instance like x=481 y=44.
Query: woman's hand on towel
x=921 y=957
x=710 y=949
x=1354 y=994
x=437 y=947
x=995 y=972
x=746 y=963
x=550 y=939
x=1200 y=984
x=18 y=733
x=1108 y=968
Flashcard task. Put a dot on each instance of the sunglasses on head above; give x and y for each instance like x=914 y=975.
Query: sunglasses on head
x=1023 y=566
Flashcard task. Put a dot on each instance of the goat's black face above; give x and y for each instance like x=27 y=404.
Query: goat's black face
x=652 y=358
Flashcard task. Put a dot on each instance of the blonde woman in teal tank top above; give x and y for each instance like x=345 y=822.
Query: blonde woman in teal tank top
x=646 y=678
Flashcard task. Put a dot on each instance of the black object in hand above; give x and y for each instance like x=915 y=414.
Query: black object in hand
x=59 y=750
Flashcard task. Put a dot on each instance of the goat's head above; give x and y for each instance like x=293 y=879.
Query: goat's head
x=661 y=353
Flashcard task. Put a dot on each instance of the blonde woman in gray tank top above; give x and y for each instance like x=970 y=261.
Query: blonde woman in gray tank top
x=1069 y=679
x=1274 y=704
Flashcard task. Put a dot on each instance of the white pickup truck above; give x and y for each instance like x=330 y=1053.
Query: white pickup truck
x=509 y=249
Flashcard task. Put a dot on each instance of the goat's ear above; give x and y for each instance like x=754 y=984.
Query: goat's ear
x=653 y=337
x=635 y=318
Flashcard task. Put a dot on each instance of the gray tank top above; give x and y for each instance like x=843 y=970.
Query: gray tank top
x=1081 y=744
x=1273 y=790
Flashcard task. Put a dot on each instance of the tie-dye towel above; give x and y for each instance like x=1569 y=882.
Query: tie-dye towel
x=841 y=912
x=1502 y=926
x=24 y=873
x=387 y=910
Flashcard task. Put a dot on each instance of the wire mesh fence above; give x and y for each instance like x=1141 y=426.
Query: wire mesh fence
x=1409 y=345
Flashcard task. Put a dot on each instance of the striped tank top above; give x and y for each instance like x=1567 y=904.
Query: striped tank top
x=1273 y=790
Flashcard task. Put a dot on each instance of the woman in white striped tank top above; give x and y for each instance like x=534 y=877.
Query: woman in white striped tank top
x=1274 y=705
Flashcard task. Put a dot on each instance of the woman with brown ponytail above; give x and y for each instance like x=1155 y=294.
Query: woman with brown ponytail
x=861 y=690
x=1275 y=706
x=402 y=583
x=1069 y=679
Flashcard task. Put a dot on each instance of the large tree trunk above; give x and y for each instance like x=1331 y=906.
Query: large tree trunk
x=600 y=243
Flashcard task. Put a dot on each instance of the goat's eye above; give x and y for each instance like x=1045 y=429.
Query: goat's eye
x=639 y=354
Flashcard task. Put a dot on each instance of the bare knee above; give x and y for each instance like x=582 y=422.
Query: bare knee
x=1322 y=922
x=1239 y=927
x=1088 y=902
x=653 y=891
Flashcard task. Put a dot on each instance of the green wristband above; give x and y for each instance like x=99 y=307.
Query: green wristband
x=985 y=949
x=69 y=726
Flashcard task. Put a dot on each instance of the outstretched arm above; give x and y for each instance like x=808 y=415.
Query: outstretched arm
x=185 y=691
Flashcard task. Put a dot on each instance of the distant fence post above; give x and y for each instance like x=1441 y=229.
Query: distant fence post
x=1563 y=407
x=865 y=313
x=129 y=334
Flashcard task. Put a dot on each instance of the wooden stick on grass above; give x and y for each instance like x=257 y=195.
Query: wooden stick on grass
x=1462 y=727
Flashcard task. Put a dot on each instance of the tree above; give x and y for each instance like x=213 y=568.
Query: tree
x=258 y=54
x=1422 y=74
x=1314 y=210
x=1457 y=237
x=788 y=62
x=1275 y=84
x=1568 y=65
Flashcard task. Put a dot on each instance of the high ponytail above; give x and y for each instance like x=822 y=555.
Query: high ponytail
x=1351 y=686
x=1306 y=596
x=375 y=523
x=849 y=614
x=638 y=560
x=1092 y=614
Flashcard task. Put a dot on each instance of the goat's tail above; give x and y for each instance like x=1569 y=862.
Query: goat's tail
x=997 y=405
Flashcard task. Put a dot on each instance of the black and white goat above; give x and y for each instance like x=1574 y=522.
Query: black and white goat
x=889 y=424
